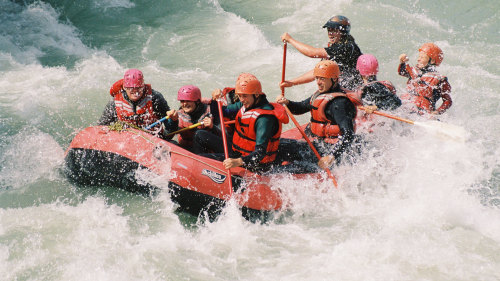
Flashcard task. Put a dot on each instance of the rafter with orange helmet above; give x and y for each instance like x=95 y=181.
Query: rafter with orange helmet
x=248 y=84
x=425 y=85
x=327 y=69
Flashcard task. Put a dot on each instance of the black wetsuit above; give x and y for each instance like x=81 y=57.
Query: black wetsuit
x=345 y=53
x=378 y=94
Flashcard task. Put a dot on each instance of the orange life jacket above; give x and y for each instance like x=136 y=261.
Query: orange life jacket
x=143 y=115
x=322 y=127
x=244 y=139
x=185 y=120
x=421 y=90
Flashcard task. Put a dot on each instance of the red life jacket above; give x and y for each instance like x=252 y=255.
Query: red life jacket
x=421 y=90
x=355 y=97
x=225 y=91
x=244 y=139
x=322 y=127
x=143 y=115
x=185 y=138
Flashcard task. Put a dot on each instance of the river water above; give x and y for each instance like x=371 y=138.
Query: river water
x=414 y=207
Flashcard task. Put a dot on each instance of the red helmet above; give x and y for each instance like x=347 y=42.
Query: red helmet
x=367 y=65
x=133 y=78
x=189 y=93
x=326 y=69
x=433 y=51
x=248 y=84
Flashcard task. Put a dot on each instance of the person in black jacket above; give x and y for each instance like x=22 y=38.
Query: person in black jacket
x=341 y=48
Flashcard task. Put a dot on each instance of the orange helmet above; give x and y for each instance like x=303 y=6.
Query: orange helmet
x=248 y=84
x=247 y=76
x=433 y=51
x=327 y=69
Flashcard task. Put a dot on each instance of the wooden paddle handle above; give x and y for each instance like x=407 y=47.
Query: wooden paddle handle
x=389 y=116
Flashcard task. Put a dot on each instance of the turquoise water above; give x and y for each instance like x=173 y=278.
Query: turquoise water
x=416 y=207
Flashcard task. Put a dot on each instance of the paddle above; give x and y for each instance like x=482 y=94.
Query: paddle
x=185 y=129
x=157 y=122
x=441 y=129
x=224 y=141
x=330 y=175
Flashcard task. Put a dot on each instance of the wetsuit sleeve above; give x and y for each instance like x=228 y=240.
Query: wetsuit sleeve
x=341 y=111
x=301 y=107
x=109 y=114
x=403 y=71
x=379 y=95
x=345 y=54
x=445 y=90
x=266 y=127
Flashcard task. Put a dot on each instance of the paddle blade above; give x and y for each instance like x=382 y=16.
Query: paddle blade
x=444 y=130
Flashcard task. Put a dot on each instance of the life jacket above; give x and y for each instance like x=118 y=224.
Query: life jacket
x=143 y=115
x=362 y=119
x=321 y=127
x=244 y=139
x=185 y=138
x=421 y=90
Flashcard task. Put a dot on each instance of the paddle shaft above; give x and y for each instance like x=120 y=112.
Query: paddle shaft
x=330 y=175
x=224 y=141
x=389 y=116
x=157 y=122
x=184 y=129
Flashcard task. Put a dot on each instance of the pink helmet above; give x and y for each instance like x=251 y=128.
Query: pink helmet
x=367 y=65
x=133 y=78
x=189 y=93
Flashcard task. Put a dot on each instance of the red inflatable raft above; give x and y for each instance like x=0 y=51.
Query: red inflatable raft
x=101 y=156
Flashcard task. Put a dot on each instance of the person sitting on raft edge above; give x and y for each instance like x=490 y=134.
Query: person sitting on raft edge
x=373 y=94
x=257 y=129
x=332 y=119
x=192 y=111
x=137 y=104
